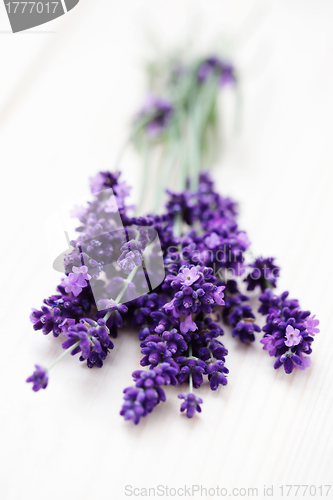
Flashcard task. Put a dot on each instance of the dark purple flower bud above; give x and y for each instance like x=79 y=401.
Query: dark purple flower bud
x=214 y=66
x=194 y=367
x=39 y=378
x=191 y=404
x=93 y=341
x=103 y=180
x=269 y=301
x=147 y=393
x=156 y=114
x=216 y=374
x=263 y=275
x=245 y=330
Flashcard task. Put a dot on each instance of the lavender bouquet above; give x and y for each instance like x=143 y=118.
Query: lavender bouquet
x=175 y=275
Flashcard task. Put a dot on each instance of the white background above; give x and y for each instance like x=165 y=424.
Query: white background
x=67 y=92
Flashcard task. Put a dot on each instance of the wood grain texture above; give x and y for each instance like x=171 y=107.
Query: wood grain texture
x=66 y=100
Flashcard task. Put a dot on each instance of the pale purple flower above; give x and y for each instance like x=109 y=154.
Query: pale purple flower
x=293 y=336
x=82 y=275
x=169 y=306
x=188 y=325
x=243 y=239
x=218 y=295
x=129 y=260
x=76 y=280
x=78 y=211
x=97 y=182
x=311 y=324
x=212 y=241
x=107 y=304
x=189 y=276
x=122 y=190
x=111 y=205
x=269 y=344
x=66 y=324
x=306 y=362
x=70 y=286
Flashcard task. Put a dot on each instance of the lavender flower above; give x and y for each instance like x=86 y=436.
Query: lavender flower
x=131 y=256
x=205 y=343
x=147 y=392
x=264 y=274
x=122 y=189
x=191 y=404
x=76 y=280
x=58 y=308
x=91 y=338
x=215 y=66
x=213 y=240
x=111 y=205
x=154 y=353
x=115 y=315
x=188 y=276
x=103 y=180
x=268 y=301
x=39 y=378
x=183 y=204
x=288 y=331
x=156 y=113
x=293 y=336
x=217 y=373
x=143 y=306
x=194 y=367
x=47 y=320
x=239 y=315
x=218 y=296
x=311 y=324
x=188 y=325
x=195 y=292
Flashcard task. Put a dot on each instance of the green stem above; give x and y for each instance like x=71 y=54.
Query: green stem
x=70 y=349
x=249 y=251
x=195 y=146
x=208 y=123
x=166 y=173
x=128 y=280
x=122 y=291
x=269 y=285
x=239 y=104
x=137 y=128
x=178 y=225
x=190 y=376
